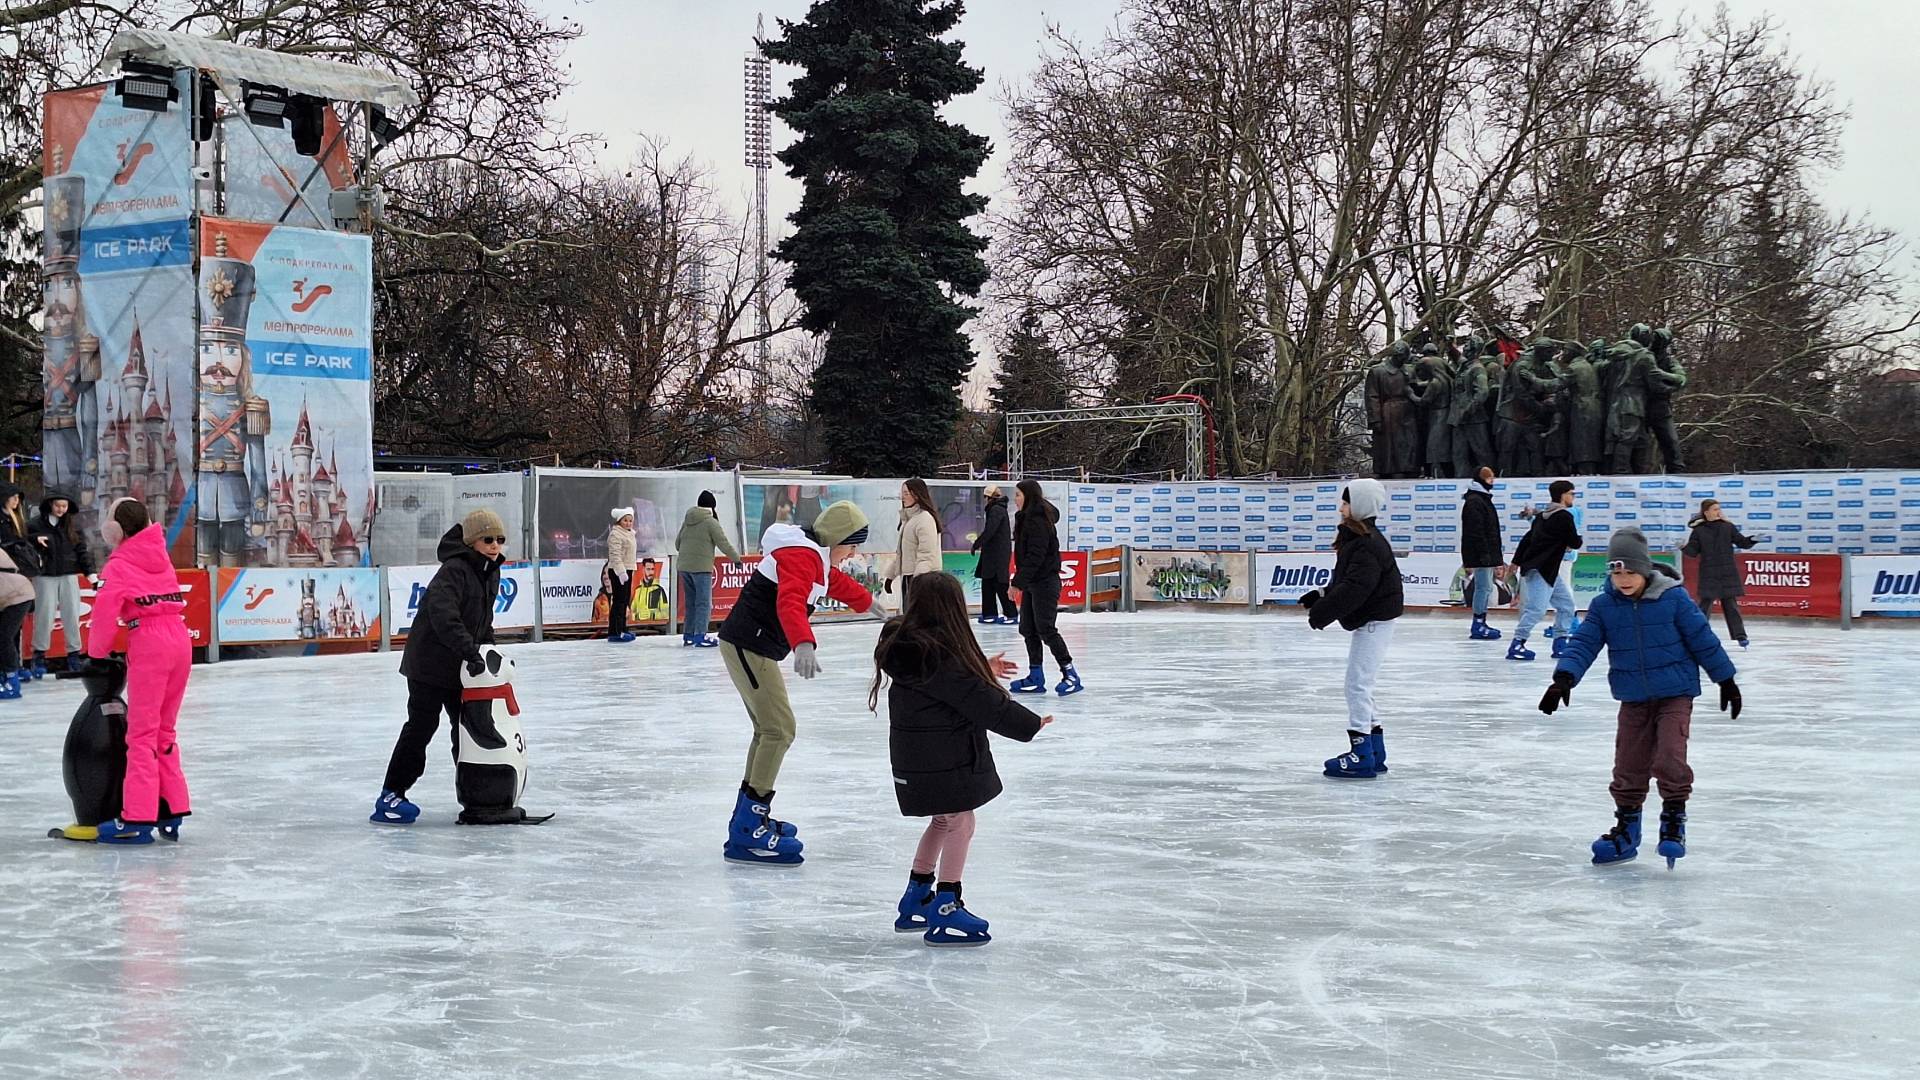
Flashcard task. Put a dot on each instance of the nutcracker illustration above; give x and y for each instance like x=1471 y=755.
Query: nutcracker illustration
x=231 y=513
x=69 y=424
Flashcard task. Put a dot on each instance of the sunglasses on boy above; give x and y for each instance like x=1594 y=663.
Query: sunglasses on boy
x=493 y=540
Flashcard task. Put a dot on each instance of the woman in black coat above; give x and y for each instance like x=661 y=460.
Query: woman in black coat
x=1481 y=550
x=1712 y=542
x=994 y=545
x=1036 y=573
x=13 y=531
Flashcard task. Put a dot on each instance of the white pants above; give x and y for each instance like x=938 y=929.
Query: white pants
x=1367 y=647
x=51 y=590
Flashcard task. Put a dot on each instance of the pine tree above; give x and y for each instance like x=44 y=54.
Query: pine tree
x=880 y=248
x=1032 y=374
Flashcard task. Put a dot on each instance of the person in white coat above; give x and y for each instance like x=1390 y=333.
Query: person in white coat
x=919 y=536
x=623 y=552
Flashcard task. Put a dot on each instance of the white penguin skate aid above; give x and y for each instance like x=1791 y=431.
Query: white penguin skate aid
x=490 y=750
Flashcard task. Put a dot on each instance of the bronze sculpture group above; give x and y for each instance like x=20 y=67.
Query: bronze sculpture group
x=1556 y=408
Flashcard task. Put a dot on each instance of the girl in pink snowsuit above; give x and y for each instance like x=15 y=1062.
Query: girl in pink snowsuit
x=139 y=590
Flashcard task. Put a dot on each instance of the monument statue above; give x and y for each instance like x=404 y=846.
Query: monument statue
x=1432 y=393
x=1666 y=377
x=1472 y=441
x=1390 y=415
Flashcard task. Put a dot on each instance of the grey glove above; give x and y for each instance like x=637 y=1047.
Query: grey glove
x=805 y=664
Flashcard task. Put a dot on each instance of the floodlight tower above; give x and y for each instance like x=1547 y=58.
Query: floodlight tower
x=759 y=157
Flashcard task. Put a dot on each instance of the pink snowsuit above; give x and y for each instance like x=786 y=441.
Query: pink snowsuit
x=139 y=589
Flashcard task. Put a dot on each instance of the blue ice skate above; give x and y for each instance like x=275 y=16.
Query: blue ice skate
x=1517 y=649
x=1358 y=763
x=38 y=668
x=1378 y=739
x=749 y=811
x=169 y=829
x=9 y=686
x=1560 y=646
x=119 y=832
x=1673 y=832
x=914 y=905
x=1622 y=842
x=1069 y=682
x=1480 y=631
x=950 y=924
x=391 y=809
x=1034 y=683
x=755 y=838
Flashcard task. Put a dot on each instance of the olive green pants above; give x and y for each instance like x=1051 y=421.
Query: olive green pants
x=763 y=689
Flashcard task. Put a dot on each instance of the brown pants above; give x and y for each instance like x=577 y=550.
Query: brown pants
x=1652 y=741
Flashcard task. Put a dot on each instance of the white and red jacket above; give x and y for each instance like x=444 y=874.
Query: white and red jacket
x=774 y=608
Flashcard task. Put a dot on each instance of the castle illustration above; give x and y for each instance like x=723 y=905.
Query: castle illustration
x=312 y=522
x=141 y=460
x=342 y=618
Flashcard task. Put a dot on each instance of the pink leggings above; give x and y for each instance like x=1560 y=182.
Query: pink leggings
x=946 y=841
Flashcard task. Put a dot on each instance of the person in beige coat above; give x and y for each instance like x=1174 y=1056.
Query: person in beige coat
x=623 y=552
x=919 y=536
x=16 y=599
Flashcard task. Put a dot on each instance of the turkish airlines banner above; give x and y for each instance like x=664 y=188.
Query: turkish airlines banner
x=1800 y=585
x=199 y=614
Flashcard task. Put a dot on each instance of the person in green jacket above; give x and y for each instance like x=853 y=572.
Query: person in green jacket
x=700 y=534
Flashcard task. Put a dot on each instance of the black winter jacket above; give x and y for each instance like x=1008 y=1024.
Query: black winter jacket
x=995 y=543
x=23 y=551
x=456 y=616
x=938 y=718
x=1547 y=542
x=1480 y=541
x=65 y=552
x=1366 y=585
x=1036 y=549
x=1712 y=543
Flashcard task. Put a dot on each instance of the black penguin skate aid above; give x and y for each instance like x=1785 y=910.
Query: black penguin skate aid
x=94 y=761
x=490 y=751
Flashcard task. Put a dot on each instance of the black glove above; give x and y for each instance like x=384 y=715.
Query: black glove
x=1319 y=622
x=1560 y=693
x=1308 y=599
x=1730 y=698
x=475 y=665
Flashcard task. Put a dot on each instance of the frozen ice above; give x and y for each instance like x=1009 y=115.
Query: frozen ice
x=1174 y=889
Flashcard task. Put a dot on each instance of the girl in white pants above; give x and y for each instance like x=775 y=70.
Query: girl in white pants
x=1365 y=596
x=51 y=592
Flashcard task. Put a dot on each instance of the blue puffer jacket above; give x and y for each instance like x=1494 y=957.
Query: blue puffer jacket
x=1656 y=645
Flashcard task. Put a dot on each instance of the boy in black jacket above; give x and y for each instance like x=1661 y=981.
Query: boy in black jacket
x=1365 y=596
x=1539 y=560
x=456 y=618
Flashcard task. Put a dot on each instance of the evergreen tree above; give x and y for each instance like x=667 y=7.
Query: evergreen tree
x=1032 y=374
x=880 y=248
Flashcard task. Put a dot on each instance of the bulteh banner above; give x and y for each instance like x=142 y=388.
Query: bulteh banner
x=407 y=590
x=1886 y=585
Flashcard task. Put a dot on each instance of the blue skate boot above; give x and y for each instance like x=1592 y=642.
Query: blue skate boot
x=391 y=809
x=1034 y=683
x=38 y=668
x=119 y=832
x=949 y=923
x=1517 y=649
x=1357 y=763
x=914 y=905
x=74 y=662
x=754 y=838
x=1622 y=842
x=1069 y=682
x=1480 y=631
x=9 y=686
x=1560 y=645
x=1378 y=737
x=745 y=813
x=1673 y=832
x=169 y=829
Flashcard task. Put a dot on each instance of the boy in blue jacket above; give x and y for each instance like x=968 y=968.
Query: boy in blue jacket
x=1657 y=641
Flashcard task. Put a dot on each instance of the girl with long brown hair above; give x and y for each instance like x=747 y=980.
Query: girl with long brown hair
x=919 y=536
x=944 y=698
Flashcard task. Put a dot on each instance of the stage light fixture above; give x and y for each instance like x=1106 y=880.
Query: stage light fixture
x=384 y=130
x=146 y=86
x=264 y=105
x=306 y=116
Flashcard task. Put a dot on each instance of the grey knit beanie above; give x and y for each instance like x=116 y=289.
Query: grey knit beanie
x=1627 y=548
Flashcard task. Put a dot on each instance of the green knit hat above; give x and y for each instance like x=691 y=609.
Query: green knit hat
x=840 y=523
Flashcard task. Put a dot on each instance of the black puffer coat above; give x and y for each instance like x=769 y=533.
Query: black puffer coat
x=939 y=715
x=1480 y=530
x=1712 y=543
x=1547 y=542
x=1036 y=549
x=456 y=616
x=65 y=551
x=1366 y=585
x=995 y=543
x=24 y=552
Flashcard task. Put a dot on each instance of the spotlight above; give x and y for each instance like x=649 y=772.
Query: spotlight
x=384 y=129
x=146 y=86
x=264 y=105
x=306 y=115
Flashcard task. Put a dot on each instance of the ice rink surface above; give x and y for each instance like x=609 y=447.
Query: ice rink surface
x=1174 y=889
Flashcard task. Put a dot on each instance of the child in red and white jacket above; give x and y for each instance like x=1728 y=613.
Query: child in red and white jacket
x=769 y=622
x=139 y=590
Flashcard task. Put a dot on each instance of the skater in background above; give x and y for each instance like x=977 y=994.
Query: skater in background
x=1036 y=573
x=622 y=555
x=1712 y=542
x=63 y=556
x=16 y=599
x=1657 y=641
x=1481 y=550
x=919 y=536
x=944 y=699
x=456 y=618
x=701 y=536
x=1365 y=596
x=13 y=541
x=770 y=621
x=994 y=545
x=140 y=591
x=1539 y=561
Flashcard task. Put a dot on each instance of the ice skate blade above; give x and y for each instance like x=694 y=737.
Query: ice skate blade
x=377 y=820
x=1351 y=776
x=958 y=942
x=79 y=834
x=1617 y=862
x=920 y=929
x=748 y=859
